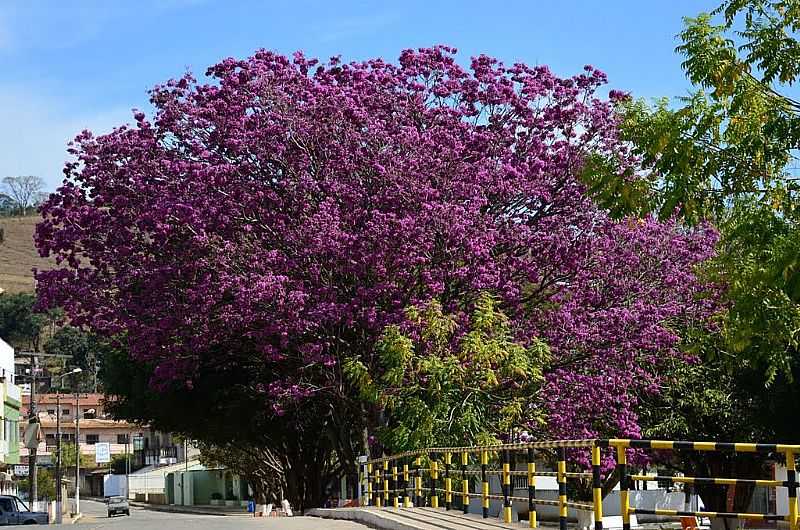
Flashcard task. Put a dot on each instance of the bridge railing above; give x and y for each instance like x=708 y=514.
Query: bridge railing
x=415 y=478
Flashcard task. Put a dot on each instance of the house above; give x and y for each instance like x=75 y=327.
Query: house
x=198 y=485
x=148 y=447
x=94 y=425
x=9 y=437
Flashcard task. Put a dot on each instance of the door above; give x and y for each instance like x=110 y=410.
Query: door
x=8 y=515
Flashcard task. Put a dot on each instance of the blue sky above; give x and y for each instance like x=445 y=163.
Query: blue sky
x=66 y=66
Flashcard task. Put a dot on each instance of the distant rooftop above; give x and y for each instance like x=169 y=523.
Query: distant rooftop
x=66 y=399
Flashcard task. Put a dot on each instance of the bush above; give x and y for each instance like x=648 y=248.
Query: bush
x=118 y=464
x=46 y=484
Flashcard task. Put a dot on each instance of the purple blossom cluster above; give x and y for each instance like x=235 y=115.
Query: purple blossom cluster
x=289 y=210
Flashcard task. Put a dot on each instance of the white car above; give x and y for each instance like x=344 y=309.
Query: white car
x=118 y=505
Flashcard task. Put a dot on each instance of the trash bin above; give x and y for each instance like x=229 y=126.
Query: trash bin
x=251 y=506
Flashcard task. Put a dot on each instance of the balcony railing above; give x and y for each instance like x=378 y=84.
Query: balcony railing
x=160 y=456
x=49 y=447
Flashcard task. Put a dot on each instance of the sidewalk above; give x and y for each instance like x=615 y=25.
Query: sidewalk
x=231 y=511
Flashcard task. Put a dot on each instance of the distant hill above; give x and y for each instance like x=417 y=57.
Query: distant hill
x=18 y=255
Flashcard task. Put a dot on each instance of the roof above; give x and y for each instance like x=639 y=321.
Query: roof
x=193 y=465
x=49 y=422
x=66 y=399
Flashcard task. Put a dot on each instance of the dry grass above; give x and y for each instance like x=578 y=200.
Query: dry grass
x=18 y=255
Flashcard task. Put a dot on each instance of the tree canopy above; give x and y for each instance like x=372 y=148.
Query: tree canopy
x=271 y=224
x=724 y=154
x=20 y=324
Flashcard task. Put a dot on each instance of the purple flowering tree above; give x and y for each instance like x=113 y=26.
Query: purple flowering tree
x=290 y=210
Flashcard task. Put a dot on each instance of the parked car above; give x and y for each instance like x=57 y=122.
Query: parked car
x=118 y=505
x=13 y=512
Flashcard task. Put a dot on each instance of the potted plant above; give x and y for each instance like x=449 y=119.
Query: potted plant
x=216 y=499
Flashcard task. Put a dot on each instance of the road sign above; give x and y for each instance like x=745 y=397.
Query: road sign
x=102 y=452
x=21 y=471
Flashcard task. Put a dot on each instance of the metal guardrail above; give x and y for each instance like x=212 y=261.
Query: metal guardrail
x=388 y=480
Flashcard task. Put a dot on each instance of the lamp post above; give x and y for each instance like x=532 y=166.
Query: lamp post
x=77 y=452
x=127 y=466
x=59 y=500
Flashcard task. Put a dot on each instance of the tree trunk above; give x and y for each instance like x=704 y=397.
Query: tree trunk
x=716 y=498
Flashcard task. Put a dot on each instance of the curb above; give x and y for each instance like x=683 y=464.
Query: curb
x=76 y=518
x=181 y=509
x=368 y=518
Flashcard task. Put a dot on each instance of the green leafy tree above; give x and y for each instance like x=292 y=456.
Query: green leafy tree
x=737 y=133
x=724 y=154
x=68 y=457
x=46 y=484
x=20 y=324
x=441 y=389
x=118 y=466
x=222 y=405
x=80 y=349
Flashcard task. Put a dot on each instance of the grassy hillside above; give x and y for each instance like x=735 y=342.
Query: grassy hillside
x=18 y=255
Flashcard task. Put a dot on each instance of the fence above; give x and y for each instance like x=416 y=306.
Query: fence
x=387 y=480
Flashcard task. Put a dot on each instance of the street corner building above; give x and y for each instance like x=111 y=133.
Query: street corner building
x=12 y=403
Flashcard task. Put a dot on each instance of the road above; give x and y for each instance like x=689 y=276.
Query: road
x=140 y=519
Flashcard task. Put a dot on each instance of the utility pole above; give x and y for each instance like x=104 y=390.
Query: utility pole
x=33 y=490
x=59 y=500
x=33 y=418
x=77 y=452
x=127 y=467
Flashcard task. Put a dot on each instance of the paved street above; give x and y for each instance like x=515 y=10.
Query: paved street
x=140 y=519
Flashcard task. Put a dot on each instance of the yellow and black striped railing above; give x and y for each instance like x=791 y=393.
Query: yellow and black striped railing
x=399 y=480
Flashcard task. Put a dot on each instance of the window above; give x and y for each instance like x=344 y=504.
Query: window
x=52 y=412
x=122 y=438
x=6 y=505
x=50 y=439
x=65 y=412
x=92 y=439
x=88 y=414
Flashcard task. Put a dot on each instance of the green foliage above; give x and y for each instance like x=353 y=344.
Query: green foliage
x=117 y=464
x=440 y=388
x=709 y=401
x=760 y=266
x=736 y=134
x=45 y=483
x=68 y=457
x=20 y=325
x=84 y=350
x=722 y=154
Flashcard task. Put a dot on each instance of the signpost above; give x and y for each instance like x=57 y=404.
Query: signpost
x=102 y=452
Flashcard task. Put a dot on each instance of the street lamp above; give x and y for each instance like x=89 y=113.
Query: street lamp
x=59 y=500
x=77 y=452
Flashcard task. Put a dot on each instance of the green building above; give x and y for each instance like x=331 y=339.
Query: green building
x=12 y=403
x=206 y=487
